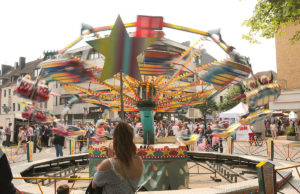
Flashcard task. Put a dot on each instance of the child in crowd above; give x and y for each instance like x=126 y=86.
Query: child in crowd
x=63 y=189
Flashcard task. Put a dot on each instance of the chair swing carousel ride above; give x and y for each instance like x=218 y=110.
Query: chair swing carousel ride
x=142 y=73
x=153 y=74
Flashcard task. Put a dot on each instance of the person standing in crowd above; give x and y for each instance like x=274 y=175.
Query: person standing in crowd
x=182 y=131
x=279 y=123
x=191 y=127
x=2 y=135
x=8 y=131
x=157 y=130
x=50 y=132
x=207 y=135
x=169 y=129
x=112 y=128
x=175 y=128
x=36 y=138
x=44 y=136
x=187 y=129
x=21 y=138
x=81 y=139
x=274 y=130
x=59 y=142
x=100 y=131
x=197 y=128
x=251 y=135
x=30 y=133
x=107 y=128
x=89 y=131
x=121 y=173
x=200 y=135
x=202 y=125
x=162 y=131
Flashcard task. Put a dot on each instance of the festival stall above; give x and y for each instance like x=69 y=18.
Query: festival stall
x=235 y=113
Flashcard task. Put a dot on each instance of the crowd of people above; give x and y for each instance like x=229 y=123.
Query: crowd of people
x=42 y=135
x=123 y=162
x=277 y=126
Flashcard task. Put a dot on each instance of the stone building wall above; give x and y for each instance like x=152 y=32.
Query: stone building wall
x=288 y=59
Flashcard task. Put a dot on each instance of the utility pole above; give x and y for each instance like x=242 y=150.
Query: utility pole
x=121 y=94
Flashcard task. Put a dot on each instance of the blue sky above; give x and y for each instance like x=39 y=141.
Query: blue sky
x=32 y=26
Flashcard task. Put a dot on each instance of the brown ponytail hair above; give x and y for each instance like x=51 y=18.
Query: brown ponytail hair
x=123 y=144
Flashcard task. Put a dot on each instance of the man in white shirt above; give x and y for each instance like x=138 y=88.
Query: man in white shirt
x=175 y=128
x=274 y=130
x=8 y=131
x=192 y=127
x=251 y=134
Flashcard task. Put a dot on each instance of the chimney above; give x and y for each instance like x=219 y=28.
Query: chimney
x=16 y=65
x=22 y=62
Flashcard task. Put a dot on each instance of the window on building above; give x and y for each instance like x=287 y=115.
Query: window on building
x=56 y=100
x=19 y=107
x=61 y=101
x=9 y=92
x=14 y=107
x=37 y=72
x=4 y=93
x=221 y=99
x=46 y=104
x=94 y=55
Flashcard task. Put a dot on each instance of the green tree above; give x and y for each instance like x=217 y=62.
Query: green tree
x=270 y=17
x=207 y=109
x=231 y=93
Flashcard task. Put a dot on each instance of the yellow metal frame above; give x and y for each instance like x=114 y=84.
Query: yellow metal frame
x=53 y=178
x=289 y=167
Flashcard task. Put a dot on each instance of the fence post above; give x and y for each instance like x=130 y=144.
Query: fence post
x=29 y=151
x=266 y=177
x=72 y=146
x=230 y=145
x=270 y=149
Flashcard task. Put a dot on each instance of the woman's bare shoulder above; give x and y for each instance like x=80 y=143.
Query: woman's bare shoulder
x=104 y=165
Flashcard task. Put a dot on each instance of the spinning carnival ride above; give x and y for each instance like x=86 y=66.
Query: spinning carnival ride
x=141 y=73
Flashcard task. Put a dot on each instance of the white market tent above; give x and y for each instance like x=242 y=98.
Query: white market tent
x=293 y=115
x=235 y=112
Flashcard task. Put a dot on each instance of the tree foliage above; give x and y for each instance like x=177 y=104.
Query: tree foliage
x=270 y=17
x=207 y=109
x=231 y=93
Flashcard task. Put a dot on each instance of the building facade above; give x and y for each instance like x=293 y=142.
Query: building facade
x=288 y=71
x=11 y=108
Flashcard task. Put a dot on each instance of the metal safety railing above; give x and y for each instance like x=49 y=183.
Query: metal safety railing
x=55 y=181
x=289 y=167
x=13 y=153
x=269 y=149
x=287 y=151
x=285 y=179
x=257 y=148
